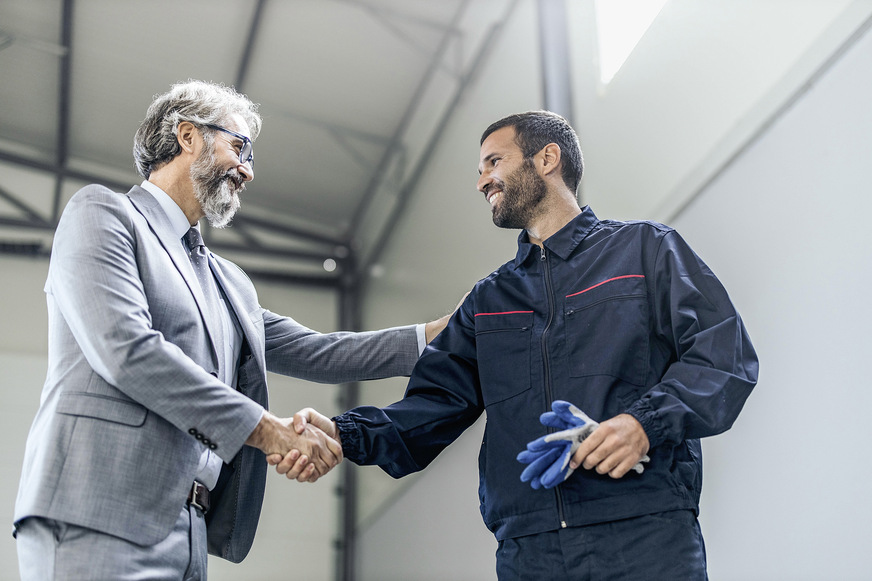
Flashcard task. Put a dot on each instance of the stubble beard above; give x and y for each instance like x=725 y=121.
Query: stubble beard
x=216 y=190
x=523 y=191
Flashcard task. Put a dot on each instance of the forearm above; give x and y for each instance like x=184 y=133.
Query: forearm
x=296 y=351
x=714 y=365
x=368 y=437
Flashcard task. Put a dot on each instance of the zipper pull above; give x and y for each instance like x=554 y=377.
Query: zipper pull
x=542 y=248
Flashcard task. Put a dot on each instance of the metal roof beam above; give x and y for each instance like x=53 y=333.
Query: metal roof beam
x=63 y=171
x=286 y=230
x=396 y=140
x=426 y=156
x=31 y=213
x=270 y=251
x=40 y=225
x=555 y=54
x=294 y=279
x=387 y=19
x=396 y=14
x=253 y=31
x=65 y=80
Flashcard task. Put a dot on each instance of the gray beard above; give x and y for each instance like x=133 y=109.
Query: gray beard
x=215 y=190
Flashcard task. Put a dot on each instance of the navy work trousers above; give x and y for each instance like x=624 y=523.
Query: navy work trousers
x=655 y=547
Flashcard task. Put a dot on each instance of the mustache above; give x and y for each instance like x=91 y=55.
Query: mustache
x=234 y=177
x=495 y=184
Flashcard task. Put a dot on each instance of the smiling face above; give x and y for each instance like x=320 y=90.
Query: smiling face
x=510 y=182
x=218 y=177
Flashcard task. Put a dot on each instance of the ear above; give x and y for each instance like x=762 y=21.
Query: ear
x=188 y=135
x=550 y=158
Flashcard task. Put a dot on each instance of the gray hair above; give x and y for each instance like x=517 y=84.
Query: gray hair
x=198 y=102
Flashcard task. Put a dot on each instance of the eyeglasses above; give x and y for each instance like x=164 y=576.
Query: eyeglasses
x=246 y=152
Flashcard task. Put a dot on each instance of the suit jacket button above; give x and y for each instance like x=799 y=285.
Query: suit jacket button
x=199 y=436
x=213 y=446
x=193 y=431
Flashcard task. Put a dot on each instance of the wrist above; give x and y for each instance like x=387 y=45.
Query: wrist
x=261 y=433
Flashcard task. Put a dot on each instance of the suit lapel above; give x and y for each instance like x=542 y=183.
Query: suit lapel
x=251 y=333
x=255 y=388
x=157 y=220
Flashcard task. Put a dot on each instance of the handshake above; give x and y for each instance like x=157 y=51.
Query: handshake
x=304 y=447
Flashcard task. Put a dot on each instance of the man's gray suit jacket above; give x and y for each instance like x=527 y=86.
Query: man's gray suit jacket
x=132 y=379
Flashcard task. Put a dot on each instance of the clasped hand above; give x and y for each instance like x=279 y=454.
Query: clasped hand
x=300 y=450
x=294 y=463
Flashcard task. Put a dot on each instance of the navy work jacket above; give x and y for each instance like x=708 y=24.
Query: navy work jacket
x=614 y=317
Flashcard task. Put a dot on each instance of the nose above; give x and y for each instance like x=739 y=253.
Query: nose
x=484 y=182
x=246 y=170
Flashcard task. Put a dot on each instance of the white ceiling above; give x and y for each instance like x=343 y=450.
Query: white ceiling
x=353 y=91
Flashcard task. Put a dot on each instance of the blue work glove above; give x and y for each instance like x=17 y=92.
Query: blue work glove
x=548 y=457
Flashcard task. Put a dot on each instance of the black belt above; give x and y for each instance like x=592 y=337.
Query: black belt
x=198 y=496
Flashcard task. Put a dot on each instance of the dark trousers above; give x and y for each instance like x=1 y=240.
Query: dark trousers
x=666 y=546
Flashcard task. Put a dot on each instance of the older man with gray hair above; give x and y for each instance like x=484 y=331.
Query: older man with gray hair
x=148 y=446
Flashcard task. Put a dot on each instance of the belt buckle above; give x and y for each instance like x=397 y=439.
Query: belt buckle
x=193 y=501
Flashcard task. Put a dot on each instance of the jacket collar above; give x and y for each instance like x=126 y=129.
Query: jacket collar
x=563 y=242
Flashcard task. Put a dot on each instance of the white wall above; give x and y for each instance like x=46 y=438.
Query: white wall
x=785 y=229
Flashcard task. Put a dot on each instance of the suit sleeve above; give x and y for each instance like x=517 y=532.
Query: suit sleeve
x=295 y=350
x=715 y=367
x=94 y=280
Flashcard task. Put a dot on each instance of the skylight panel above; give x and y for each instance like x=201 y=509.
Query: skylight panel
x=620 y=25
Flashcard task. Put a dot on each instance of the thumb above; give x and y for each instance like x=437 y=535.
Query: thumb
x=300 y=421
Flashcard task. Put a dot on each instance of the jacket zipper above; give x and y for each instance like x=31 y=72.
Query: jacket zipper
x=548 y=396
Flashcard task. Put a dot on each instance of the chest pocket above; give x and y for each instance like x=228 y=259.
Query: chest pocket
x=607 y=329
x=503 y=346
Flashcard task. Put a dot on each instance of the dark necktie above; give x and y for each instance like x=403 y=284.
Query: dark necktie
x=200 y=261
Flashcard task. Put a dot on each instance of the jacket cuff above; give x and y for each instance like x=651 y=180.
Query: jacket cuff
x=349 y=437
x=647 y=416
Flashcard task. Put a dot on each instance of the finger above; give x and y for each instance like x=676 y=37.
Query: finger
x=627 y=463
x=588 y=453
x=320 y=465
x=274 y=459
x=335 y=448
x=298 y=467
x=321 y=421
x=314 y=477
x=621 y=469
x=609 y=464
x=306 y=473
x=287 y=462
x=300 y=421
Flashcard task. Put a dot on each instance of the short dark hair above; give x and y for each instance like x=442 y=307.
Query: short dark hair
x=536 y=129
